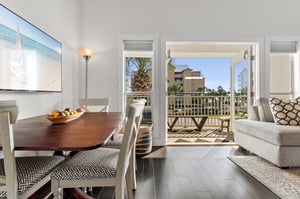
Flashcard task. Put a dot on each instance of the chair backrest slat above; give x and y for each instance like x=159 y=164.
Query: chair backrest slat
x=95 y=104
x=8 y=116
x=134 y=112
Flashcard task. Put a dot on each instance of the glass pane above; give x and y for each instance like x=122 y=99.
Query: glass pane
x=241 y=89
x=138 y=80
x=138 y=75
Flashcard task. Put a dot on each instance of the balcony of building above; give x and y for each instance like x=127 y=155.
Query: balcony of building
x=189 y=109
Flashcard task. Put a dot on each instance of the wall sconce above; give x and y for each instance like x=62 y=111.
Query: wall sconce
x=169 y=54
x=245 y=54
x=86 y=53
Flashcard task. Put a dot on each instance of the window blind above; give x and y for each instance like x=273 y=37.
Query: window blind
x=138 y=45
x=283 y=47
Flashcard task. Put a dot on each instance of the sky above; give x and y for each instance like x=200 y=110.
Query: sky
x=215 y=70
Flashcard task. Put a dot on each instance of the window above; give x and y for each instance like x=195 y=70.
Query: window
x=138 y=60
x=282 y=55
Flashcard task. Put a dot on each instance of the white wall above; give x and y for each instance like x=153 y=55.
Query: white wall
x=104 y=21
x=60 y=19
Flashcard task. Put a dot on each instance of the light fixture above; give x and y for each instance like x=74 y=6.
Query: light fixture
x=169 y=54
x=86 y=53
x=245 y=56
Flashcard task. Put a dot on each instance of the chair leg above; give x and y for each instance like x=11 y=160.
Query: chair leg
x=129 y=184
x=132 y=168
x=130 y=177
x=90 y=189
x=57 y=192
x=119 y=189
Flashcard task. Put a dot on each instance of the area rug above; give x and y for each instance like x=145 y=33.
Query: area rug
x=283 y=182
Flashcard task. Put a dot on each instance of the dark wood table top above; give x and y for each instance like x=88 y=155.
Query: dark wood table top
x=89 y=131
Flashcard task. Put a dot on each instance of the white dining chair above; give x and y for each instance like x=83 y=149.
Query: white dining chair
x=20 y=177
x=117 y=141
x=101 y=167
x=95 y=104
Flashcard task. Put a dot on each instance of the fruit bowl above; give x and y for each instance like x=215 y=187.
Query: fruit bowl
x=63 y=119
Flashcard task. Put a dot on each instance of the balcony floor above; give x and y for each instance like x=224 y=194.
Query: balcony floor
x=207 y=135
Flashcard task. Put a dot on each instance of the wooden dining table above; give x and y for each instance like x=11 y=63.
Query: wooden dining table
x=89 y=131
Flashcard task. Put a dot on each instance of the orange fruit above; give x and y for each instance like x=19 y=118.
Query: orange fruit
x=79 y=110
x=55 y=113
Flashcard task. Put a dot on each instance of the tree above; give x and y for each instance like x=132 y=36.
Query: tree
x=140 y=81
x=213 y=92
x=202 y=90
x=177 y=87
x=221 y=91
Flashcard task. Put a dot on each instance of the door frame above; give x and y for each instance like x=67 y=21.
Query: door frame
x=259 y=44
x=238 y=58
x=159 y=112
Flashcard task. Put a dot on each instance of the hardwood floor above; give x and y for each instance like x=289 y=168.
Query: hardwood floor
x=192 y=172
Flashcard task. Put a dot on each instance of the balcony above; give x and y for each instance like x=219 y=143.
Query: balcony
x=193 y=106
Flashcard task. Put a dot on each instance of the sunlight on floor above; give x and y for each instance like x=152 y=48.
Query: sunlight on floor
x=207 y=135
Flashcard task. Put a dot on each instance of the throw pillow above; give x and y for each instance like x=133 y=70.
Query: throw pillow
x=264 y=110
x=253 y=113
x=285 y=112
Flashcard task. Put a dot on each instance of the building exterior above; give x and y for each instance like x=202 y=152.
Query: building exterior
x=242 y=80
x=190 y=80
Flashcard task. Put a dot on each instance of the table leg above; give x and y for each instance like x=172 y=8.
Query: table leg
x=200 y=124
x=173 y=123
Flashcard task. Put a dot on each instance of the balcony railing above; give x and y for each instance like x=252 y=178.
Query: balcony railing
x=187 y=104
x=212 y=106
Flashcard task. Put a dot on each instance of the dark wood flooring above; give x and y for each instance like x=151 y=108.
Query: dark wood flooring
x=191 y=172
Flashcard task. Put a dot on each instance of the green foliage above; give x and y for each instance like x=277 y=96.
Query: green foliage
x=212 y=92
x=177 y=87
x=141 y=81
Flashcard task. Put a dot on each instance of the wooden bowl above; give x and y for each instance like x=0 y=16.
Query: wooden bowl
x=63 y=119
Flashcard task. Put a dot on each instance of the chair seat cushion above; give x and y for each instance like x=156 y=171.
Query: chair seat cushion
x=30 y=170
x=86 y=165
x=116 y=143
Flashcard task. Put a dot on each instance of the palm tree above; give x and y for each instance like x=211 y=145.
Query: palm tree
x=140 y=81
x=177 y=87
